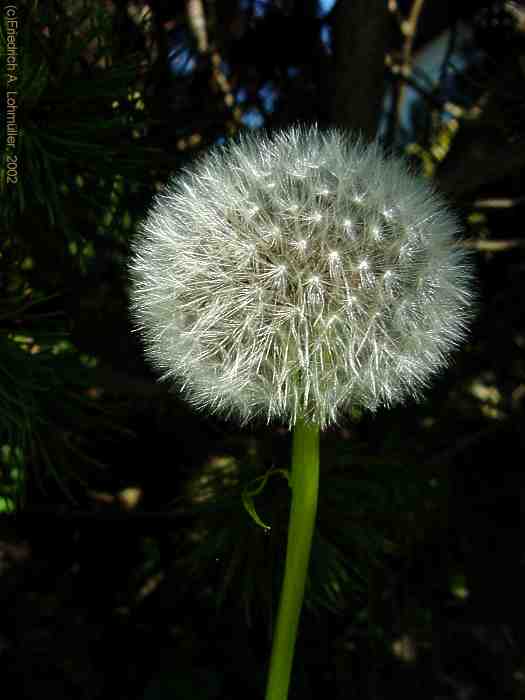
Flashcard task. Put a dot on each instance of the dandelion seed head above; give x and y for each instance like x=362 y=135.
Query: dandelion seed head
x=298 y=275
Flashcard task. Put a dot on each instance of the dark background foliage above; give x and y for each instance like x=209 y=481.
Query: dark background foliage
x=128 y=565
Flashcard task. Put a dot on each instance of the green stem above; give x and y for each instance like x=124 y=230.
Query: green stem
x=305 y=483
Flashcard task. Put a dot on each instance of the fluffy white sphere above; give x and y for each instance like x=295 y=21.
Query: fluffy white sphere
x=299 y=274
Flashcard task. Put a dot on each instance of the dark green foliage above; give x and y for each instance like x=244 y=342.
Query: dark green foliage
x=47 y=413
x=81 y=121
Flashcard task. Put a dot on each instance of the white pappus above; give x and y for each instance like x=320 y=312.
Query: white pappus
x=297 y=275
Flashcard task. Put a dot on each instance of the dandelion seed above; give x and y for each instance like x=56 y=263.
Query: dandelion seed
x=349 y=228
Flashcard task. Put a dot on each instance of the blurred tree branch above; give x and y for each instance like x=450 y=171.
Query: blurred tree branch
x=197 y=23
x=408 y=28
x=491 y=146
x=493 y=246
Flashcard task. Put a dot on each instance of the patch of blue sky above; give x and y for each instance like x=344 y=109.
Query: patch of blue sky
x=324 y=7
x=181 y=60
x=252 y=118
x=241 y=95
x=259 y=7
x=268 y=94
x=426 y=71
x=326 y=36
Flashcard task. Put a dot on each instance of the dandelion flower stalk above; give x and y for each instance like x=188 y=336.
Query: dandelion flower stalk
x=305 y=486
x=293 y=277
